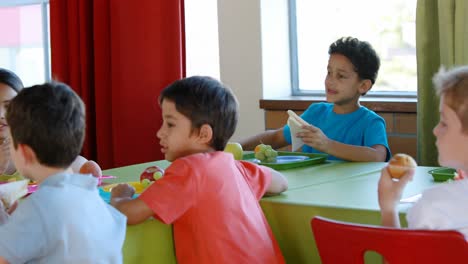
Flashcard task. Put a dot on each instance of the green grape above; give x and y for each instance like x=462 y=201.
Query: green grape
x=264 y=152
x=157 y=175
x=275 y=154
x=145 y=182
x=260 y=156
x=269 y=153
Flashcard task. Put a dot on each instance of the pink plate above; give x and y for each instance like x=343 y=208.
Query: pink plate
x=32 y=188
x=104 y=177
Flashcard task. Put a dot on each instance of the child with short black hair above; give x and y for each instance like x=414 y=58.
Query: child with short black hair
x=341 y=127
x=65 y=220
x=440 y=207
x=10 y=86
x=211 y=199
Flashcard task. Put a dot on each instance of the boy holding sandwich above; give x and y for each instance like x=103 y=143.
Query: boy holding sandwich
x=65 y=220
x=341 y=127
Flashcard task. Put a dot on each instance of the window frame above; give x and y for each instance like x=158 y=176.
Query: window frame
x=294 y=65
x=45 y=28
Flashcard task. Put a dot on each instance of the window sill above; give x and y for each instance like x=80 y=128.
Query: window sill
x=377 y=104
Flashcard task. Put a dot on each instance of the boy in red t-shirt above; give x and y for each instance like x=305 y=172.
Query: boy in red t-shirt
x=211 y=199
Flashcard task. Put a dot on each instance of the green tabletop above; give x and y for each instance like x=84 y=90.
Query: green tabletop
x=353 y=199
x=340 y=190
x=151 y=241
x=328 y=172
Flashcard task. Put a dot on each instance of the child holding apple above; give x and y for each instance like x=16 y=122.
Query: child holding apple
x=211 y=199
x=440 y=207
x=65 y=220
x=341 y=127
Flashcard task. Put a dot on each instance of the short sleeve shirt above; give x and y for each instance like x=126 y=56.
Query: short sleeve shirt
x=64 y=221
x=362 y=127
x=212 y=201
x=443 y=207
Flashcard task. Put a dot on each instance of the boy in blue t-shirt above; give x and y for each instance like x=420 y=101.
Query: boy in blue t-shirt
x=341 y=127
x=65 y=220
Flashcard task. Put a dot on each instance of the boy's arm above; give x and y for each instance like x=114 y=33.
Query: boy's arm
x=357 y=153
x=274 y=138
x=390 y=191
x=3 y=261
x=314 y=137
x=278 y=184
x=135 y=210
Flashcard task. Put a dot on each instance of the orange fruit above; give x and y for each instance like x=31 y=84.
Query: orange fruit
x=400 y=164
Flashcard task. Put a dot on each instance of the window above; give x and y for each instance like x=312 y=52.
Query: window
x=389 y=26
x=24 y=42
x=201 y=38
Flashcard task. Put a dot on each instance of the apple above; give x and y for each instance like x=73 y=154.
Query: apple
x=235 y=149
x=400 y=164
x=151 y=174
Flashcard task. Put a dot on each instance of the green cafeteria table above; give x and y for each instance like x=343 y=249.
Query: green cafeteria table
x=344 y=191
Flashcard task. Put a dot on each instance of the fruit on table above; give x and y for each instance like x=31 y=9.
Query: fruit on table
x=91 y=167
x=151 y=174
x=265 y=153
x=400 y=164
x=236 y=150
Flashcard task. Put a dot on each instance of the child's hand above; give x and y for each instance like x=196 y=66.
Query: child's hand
x=315 y=138
x=390 y=190
x=122 y=190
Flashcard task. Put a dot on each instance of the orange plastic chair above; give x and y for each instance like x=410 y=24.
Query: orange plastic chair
x=342 y=242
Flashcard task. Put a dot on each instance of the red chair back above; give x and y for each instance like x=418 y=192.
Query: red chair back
x=342 y=242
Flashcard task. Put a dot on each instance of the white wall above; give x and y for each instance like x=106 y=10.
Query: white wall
x=251 y=74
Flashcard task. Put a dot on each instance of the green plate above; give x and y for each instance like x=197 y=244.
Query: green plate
x=442 y=174
x=289 y=160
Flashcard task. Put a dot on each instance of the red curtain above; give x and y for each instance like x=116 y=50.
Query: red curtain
x=118 y=55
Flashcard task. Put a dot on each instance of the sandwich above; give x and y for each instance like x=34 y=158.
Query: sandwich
x=295 y=124
x=297 y=120
x=12 y=191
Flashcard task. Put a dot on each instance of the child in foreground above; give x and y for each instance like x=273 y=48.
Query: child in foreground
x=440 y=207
x=65 y=220
x=342 y=128
x=211 y=199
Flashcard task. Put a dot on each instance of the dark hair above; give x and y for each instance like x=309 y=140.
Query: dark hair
x=50 y=119
x=205 y=100
x=11 y=79
x=365 y=60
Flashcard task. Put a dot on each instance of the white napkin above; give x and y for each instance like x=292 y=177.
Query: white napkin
x=12 y=191
x=295 y=124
